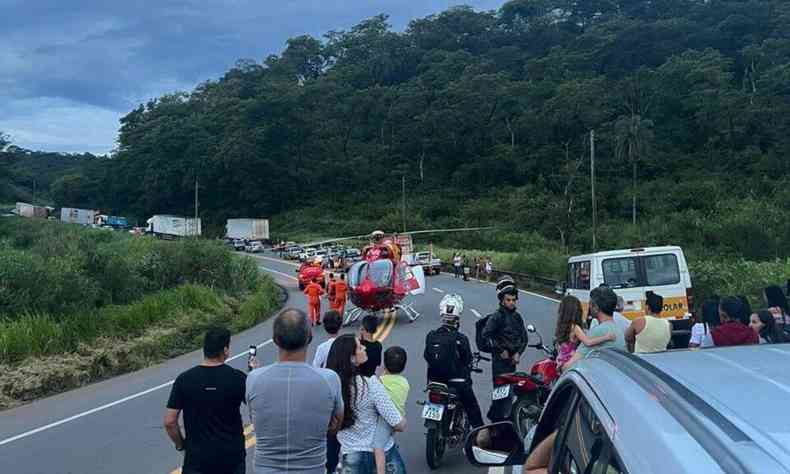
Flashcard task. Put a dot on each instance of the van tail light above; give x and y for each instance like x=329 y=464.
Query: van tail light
x=690 y=300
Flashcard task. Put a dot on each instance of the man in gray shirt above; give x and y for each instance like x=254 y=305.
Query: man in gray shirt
x=293 y=404
x=603 y=302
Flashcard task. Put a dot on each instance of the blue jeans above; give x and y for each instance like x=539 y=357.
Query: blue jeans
x=363 y=462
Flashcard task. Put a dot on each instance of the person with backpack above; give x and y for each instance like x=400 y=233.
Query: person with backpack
x=449 y=357
x=504 y=336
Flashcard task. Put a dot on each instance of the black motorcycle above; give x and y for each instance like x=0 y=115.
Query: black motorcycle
x=445 y=417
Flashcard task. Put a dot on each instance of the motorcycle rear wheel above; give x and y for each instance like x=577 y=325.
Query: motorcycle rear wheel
x=525 y=415
x=434 y=447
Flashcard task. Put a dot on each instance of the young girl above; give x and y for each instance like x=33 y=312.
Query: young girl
x=570 y=330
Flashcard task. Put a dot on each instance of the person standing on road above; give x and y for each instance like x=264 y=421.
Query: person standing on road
x=449 y=357
x=700 y=331
x=457 y=261
x=731 y=331
x=365 y=401
x=330 y=290
x=603 y=302
x=506 y=335
x=294 y=405
x=489 y=269
x=314 y=293
x=209 y=396
x=777 y=305
x=373 y=348
x=341 y=295
x=650 y=333
x=332 y=324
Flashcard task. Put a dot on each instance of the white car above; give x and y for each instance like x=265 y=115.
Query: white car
x=254 y=247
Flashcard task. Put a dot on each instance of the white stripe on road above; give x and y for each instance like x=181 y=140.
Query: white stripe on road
x=438 y=290
x=496 y=470
x=528 y=293
x=106 y=406
x=277 y=260
x=476 y=313
x=280 y=273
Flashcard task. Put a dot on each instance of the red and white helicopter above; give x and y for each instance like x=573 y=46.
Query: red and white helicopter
x=384 y=280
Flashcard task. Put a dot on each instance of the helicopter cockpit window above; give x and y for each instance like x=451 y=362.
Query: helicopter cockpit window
x=355 y=273
x=380 y=272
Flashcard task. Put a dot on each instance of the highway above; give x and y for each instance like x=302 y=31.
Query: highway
x=115 y=426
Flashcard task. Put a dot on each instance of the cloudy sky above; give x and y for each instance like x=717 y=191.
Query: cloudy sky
x=69 y=69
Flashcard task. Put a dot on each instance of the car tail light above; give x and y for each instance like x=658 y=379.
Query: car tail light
x=503 y=380
x=437 y=397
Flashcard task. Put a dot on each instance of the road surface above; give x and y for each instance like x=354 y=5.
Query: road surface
x=115 y=426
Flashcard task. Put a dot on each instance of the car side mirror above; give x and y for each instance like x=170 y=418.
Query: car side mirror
x=531 y=328
x=497 y=444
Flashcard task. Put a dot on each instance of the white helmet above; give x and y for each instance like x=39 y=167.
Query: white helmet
x=451 y=305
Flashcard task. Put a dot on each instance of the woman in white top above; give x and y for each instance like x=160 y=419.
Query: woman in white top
x=366 y=400
x=700 y=332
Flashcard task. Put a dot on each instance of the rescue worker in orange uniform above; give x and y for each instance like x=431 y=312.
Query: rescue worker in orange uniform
x=341 y=293
x=330 y=290
x=314 y=293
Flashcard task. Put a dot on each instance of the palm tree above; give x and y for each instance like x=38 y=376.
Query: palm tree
x=633 y=137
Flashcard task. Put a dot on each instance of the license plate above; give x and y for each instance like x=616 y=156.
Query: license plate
x=501 y=392
x=432 y=411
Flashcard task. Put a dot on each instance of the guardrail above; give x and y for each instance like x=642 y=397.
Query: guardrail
x=524 y=280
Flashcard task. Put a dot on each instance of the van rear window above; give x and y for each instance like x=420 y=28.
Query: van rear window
x=621 y=272
x=662 y=270
x=579 y=275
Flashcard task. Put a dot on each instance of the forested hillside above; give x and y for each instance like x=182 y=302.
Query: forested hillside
x=488 y=115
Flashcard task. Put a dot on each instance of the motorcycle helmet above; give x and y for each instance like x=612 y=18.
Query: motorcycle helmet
x=506 y=286
x=450 y=309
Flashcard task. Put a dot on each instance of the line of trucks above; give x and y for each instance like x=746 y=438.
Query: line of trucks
x=164 y=226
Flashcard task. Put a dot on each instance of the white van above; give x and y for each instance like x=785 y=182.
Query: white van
x=631 y=273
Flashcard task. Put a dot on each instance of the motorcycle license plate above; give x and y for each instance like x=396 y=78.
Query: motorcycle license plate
x=501 y=392
x=432 y=411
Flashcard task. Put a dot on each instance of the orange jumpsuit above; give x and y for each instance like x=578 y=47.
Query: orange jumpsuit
x=330 y=292
x=341 y=292
x=314 y=292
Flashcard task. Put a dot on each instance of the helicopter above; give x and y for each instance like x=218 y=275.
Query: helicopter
x=384 y=280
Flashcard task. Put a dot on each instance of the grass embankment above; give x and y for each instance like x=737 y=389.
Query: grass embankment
x=79 y=305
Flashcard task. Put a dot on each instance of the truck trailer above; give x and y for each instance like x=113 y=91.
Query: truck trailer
x=24 y=209
x=72 y=215
x=172 y=227
x=247 y=229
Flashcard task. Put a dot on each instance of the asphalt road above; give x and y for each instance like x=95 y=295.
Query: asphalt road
x=115 y=426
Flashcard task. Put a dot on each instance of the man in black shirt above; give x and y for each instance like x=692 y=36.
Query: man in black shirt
x=373 y=347
x=210 y=396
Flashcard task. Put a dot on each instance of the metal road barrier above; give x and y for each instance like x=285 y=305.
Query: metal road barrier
x=523 y=280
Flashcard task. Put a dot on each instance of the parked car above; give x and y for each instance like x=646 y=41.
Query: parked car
x=430 y=266
x=686 y=411
x=254 y=247
x=239 y=245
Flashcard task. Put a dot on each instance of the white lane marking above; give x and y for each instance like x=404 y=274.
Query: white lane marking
x=438 y=290
x=476 y=313
x=496 y=470
x=277 y=260
x=280 y=273
x=106 y=406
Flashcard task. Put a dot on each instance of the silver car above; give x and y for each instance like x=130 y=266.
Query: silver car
x=718 y=410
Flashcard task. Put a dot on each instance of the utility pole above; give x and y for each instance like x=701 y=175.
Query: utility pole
x=197 y=204
x=592 y=188
x=403 y=192
x=34 y=192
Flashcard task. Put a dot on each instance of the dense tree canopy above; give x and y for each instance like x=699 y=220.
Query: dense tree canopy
x=488 y=115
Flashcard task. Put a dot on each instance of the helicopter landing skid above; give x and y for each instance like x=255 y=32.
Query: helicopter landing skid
x=407 y=308
x=352 y=316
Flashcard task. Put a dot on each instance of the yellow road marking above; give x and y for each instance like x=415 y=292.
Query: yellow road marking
x=248 y=443
x=386 y=327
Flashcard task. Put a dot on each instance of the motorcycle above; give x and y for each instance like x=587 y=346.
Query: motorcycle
x=445 y=417
x=527 y=392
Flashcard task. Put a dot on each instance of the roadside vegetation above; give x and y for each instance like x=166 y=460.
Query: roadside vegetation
x=78 y=305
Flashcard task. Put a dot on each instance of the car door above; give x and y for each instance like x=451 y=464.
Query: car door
x=581 y=444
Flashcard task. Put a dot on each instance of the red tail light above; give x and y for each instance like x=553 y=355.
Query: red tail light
x=503 y=380
x=437 y=397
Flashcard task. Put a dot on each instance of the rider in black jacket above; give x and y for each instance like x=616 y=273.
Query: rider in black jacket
x=458 y=377
x=505 y=332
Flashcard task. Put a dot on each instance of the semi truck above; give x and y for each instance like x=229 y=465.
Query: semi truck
x=171 y=227
x=71 y=215
x=247 y=229
x=24 y=209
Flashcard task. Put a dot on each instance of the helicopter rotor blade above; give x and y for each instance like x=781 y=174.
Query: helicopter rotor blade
x=438 y=231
